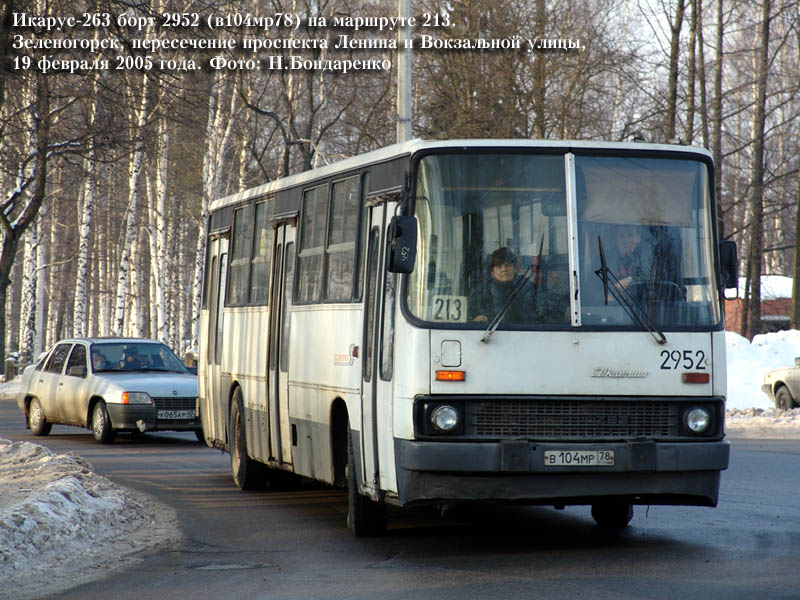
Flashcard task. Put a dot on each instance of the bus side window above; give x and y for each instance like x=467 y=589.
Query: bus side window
x=312 y=245
x=287 y=301
x=387 y=334
x=371 y=293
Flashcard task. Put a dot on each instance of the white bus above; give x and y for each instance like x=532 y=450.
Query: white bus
x=474 y=320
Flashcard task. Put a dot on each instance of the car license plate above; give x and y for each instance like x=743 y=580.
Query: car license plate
x=579 y=458
x=176 y=414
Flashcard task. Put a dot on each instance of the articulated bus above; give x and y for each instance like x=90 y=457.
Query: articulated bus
x=354 y=329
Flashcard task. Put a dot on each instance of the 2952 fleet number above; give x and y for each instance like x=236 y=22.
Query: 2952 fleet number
x=683 y=359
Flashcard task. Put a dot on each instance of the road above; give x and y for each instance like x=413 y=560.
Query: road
x=294 y=544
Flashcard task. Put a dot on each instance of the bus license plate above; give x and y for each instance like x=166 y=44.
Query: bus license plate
x=579 y=458
x=176 y=414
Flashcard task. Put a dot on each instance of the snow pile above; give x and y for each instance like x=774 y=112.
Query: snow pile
x=61 y=524
x=748 y=362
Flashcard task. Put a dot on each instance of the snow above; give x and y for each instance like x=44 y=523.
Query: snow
x=772 y=286
x=60 y=522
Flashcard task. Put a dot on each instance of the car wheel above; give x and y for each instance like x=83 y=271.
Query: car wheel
x=201 y=437
x=248 y=474
x=36 y=419
x=364 y=517
x=612 y=515
x=101 y=424
x=783 y=399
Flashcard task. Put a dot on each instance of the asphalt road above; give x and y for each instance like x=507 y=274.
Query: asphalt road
x=294 y=544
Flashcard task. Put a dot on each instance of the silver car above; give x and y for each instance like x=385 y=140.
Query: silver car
x=110 y=385
x=782 y=385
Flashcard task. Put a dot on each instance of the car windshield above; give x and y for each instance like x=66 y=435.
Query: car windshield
x=134 y=356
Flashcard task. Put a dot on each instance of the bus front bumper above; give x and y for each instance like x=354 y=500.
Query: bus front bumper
x=643 y=472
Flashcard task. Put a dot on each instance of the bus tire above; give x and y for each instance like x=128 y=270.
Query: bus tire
x=364 y=517
x=248 y=474
x=612 y=515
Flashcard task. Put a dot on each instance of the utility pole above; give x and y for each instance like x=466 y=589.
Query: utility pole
x=404 y=73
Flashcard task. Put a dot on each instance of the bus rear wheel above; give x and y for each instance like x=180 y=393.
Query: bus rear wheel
x=248 y=474
x=364 y=517
x=612 y=515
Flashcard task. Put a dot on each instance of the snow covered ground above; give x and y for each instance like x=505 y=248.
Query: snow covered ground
x=60 y=523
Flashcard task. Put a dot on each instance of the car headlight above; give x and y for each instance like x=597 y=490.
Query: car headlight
x=136 y=398
x=698 y=419
x=444 y=418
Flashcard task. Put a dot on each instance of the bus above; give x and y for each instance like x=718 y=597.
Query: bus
x=355 y=329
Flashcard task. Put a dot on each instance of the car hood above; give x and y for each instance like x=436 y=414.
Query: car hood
x=158 y=385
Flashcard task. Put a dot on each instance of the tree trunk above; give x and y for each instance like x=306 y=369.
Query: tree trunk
x=129 y=232
x=674 y=55
x=37 y=182
x=756 y=221
x=691 y=75
x=539 y=75
x=716 y=121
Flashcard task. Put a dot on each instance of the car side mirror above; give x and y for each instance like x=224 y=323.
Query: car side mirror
x=729 y=264
x=77 y=371
x=797 y=361
x=402 y=244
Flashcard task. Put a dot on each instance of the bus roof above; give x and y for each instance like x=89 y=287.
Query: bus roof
x=407 y=148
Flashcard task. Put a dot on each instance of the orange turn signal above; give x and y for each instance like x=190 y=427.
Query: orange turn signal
x=695 y=377
x=451 y=375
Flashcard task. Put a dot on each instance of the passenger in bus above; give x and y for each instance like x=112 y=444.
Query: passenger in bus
x=532 y=305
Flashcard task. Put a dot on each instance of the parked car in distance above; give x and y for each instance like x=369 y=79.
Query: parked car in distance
x=782 y=385
x=110 y=385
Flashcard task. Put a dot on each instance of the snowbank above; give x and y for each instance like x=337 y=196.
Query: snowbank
x=61 y=524
x=747 y=363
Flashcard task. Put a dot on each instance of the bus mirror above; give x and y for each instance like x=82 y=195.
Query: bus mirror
x=729 y=264
x=402 y=244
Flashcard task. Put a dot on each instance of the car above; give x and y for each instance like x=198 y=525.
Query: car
x=110 y=385
x=782 y=385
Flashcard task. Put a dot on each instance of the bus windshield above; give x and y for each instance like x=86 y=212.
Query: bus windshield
x=494 y=242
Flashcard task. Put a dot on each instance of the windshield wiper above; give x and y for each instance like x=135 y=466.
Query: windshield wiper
x=632 y=307
x=531 y=274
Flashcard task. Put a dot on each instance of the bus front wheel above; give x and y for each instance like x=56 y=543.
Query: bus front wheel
x=364 y=517
x=612 y=515
x=248 y=474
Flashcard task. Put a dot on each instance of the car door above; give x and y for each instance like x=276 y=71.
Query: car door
x=45 y=382
x=71 y=397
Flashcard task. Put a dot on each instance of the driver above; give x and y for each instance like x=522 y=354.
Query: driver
x=631 y=264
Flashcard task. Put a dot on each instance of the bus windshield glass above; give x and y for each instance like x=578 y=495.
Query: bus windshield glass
x=491 y=225
x=494 y=242
x=652 y=217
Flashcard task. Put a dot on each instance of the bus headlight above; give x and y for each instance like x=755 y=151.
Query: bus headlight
x=698 y=419
x=444 y=418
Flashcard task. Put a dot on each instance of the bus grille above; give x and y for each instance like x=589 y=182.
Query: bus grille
x=573 y=420
x=175 y=403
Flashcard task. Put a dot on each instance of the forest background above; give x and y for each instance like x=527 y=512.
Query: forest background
x=106 y=174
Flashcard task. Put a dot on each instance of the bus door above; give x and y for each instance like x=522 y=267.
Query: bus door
x=216 y=421
x=376 y=385
x=281 y=301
